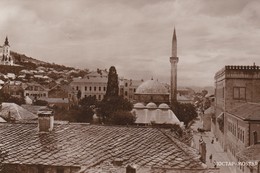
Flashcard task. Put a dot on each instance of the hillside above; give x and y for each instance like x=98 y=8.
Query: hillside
x=32 y=63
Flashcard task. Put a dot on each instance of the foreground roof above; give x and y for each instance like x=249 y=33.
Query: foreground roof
x=91 y=145
x=247 y=111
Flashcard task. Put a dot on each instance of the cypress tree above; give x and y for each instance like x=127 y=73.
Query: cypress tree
x=112 y=84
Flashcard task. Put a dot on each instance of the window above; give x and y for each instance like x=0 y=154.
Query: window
x=239 y=93
x=86 y=88
x=77 y=88
x=99 y=97
x=104 y=88
x=90 y=88
x=125 y=93
x=95 y=88
x=126 y=84
x=99 y=88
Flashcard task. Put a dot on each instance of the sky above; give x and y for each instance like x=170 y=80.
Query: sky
x=135 y=35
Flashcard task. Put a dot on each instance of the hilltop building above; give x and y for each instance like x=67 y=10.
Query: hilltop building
x=5 y=57
x=236 y=122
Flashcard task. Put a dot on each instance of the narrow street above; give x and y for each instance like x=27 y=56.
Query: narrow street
x=215 y=149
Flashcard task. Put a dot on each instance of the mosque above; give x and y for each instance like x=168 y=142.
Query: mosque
x=5 y=57
x=153 y=98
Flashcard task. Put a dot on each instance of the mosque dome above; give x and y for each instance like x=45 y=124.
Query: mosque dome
x=151 y=105
x=139 y=106
x=152 y=87
x=163 y=106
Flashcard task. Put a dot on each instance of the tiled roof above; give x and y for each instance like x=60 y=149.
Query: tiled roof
x=90 y=80
x=16 y=112
x=247 y=111
x=91 y=145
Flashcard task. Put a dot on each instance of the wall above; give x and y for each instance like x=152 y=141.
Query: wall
x=22 y=168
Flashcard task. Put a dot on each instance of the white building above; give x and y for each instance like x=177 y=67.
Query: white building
x=5 y=57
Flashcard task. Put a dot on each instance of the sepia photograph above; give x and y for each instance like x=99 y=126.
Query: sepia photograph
x=130 y=86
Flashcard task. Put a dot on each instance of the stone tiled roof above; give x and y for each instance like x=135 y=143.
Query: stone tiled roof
x=247 y=111
x=91 y=145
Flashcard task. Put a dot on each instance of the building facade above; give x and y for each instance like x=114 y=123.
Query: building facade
x=127 y=88
x=95 y=84
x=236 y=96
x=35 y=91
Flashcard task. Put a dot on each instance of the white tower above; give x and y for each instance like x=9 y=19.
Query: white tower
x=6 y=58
x=174 y=60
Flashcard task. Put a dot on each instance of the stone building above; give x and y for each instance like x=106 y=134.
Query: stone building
x=127 y=88
x=35 y=91
x=243 y=128
x=236 y=110
x=5 y=57
x=49 y=147
x=95 y=84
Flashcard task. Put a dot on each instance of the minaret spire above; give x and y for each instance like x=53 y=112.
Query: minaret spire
x=174 y=61
x=174 y=44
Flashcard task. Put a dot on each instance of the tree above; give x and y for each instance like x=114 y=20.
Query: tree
x=108 y=106
x=112 y=84
x=185 y=112
x=79 y=94
x=40 y=103
x=122 y=118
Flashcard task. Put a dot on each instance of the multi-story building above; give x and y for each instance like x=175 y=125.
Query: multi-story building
x=236 y=110
x=95 y=84
x=127 y=88
x=35 y=91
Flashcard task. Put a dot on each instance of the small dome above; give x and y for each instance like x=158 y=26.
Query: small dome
x=151 y=105
x=152 y=87
x=139 y=106
x=163 y=106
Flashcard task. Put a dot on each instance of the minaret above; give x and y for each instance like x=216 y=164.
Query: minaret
x=174 y=60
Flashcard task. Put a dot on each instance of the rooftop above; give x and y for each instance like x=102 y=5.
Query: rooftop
x=91 y=145
x=152 y=87
x=247 y=111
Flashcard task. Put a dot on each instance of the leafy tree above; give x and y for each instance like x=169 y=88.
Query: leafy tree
x=88 y=101
x=122 y=118
x=5 y=97
x=114 y=104
x=40 y=103
x=185 y=112
x=112 y=84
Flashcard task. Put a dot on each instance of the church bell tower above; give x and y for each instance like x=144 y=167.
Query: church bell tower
x=174 y=61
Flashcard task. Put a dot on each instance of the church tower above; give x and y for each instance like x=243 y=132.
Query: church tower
x=174 y=60
x=6 y=57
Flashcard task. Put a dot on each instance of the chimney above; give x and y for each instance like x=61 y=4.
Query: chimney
x=45 y=120
x=131 y=169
